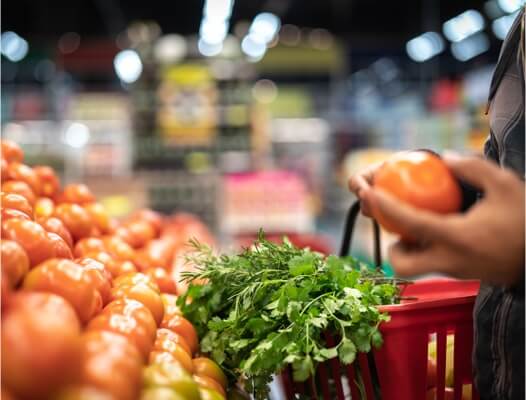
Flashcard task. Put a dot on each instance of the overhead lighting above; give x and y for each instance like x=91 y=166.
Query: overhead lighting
x=492 y=9
x=13 y=47
x=213 y=31
x=425 y=46
x=510 y=6
x=77 y=135
x=209 y=49
x=265 y=26
x=470 y=47
x=463 y=25
x=218 y=9
x=502 y=25
x=253 y=47
x=128 y=66
x=170 y=48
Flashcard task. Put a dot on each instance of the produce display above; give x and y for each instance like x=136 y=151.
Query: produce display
x=89 y=303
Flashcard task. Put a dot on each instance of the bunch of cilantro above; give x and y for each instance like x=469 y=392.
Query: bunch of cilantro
x=270 y=305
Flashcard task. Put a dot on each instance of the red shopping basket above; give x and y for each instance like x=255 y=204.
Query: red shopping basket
x=398 y=370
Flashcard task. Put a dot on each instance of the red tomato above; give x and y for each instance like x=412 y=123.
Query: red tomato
x=31 y=236
x=157 y=253
x=99 y=275
x=207 y=382
x=40 y=344
x=16 y=202
x=69 y=280
x=21 y=172
x=183 y=327
x=116 y=268
x=56 y=226
x=162 y=278
x=111 y=363
x=136 y=233
x=420 y=179
x=44 y=208
x=15 y=262
x=50 y=184
x=128 y=318
x=152 y=217
x=83 y=392
x=135 y=278
x=76 y=219
x=99 y=216
x=76 y=193
x=60 y=247
x=166 y=334
x=176 y=353
x=11 y=151
x=5 y=293
x=170 y=305
x=20 y=188
x=5 y=171
x=180 y=266
x=144 y=294
x=206 y=367
x=88 y=245
x=118 y=248
x=9 y=213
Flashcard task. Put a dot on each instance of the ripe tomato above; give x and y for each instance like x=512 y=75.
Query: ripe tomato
x=130 y=319
x=162 y=278
x=172 y=375
x=40 y=344
x=83 y=392
x=111 y=363
x=170 y=306
x=50 y=184
x=420 y=179
x=142 y=293
x=209 y=383
x=180 y=266
x=5 y=172
x=166 y=334
x=118 y=248
x=76 y=193
x=43 y=208
x=160 y=393
x=56 y=226
x=16 y=202
x=156 y=253
x=60 y=247
x=116 y=268
x=11 y=151
x=175 y=354
x=69 y=280
x=76 y=219
x=21 y=172
x=31 y=236
x=136 y=233
x=210 y=394
x=15 y=262
x=20 y=188
x=9 y=213
x=99 y=216
x=88 y=245
x=99 y=275
x=152 y=217
x=135 y=278
x=206 y=367
x=183 y=327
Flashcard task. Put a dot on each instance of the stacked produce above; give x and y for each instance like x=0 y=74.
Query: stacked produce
x=89 y=303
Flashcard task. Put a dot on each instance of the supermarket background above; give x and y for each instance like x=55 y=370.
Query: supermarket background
x=248 y=113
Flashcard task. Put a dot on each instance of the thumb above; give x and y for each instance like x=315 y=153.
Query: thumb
x=482 y=174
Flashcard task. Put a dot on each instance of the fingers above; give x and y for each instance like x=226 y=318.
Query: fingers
x=412 y=221
x=357 y=183
x=360 y=183
x=483 y=174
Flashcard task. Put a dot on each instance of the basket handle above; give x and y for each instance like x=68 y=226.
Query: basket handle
x=350 y=221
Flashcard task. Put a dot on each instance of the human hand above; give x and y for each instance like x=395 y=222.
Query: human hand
x=486 y=242
x=361 y=182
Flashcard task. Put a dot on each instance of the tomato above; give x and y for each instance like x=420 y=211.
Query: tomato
x=116 y=268
x=152 y=217
x=144 y=294
x=210 y=394
x=82 y=392
x=5 y=293
x=100 y=277
x=431 y=373
x=162 y=278
x=183 y=327
x=171 y=375
x=130 y=319
x=187 y=226
x=9 y=213
x=76 y=219
x=50 y=184
x=5 y=172
x=69 y=280
x=111 y=363
x=11 y=151
x=40 y=344
x=209 y=383
x=118 y=248
x=166 y=334
x=157 y=253
x=43 y=209
x=60 y=247
x=170 y=305
x=88 y=245
x=16 y=202
x=135 y=278
x=160 y=393
x=180 y=266
x=56 y=226
x=20 y=188
x=15 y=262
x=420 y=179
x=99 y=216
x=21 y=172
x=170 y=352
x=5 y=395
x=76 y=193
x=136 y=233
x=123 y=267
x=31 y=236
x=206 y=367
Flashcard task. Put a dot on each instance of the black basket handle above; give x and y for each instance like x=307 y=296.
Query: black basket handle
x=350 y=221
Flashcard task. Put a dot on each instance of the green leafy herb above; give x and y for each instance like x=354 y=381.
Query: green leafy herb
x=270 y=306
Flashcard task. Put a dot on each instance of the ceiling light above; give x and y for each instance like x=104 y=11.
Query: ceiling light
x=502 y=25
x=425 y=46
x=463 y=25
x=128 y=65
x=13 y=46
x=265 y=26
x=510 y=6
x=471 y=47
x=253 y=46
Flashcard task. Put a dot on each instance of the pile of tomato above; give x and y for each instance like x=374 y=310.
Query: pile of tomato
x=89 y=303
